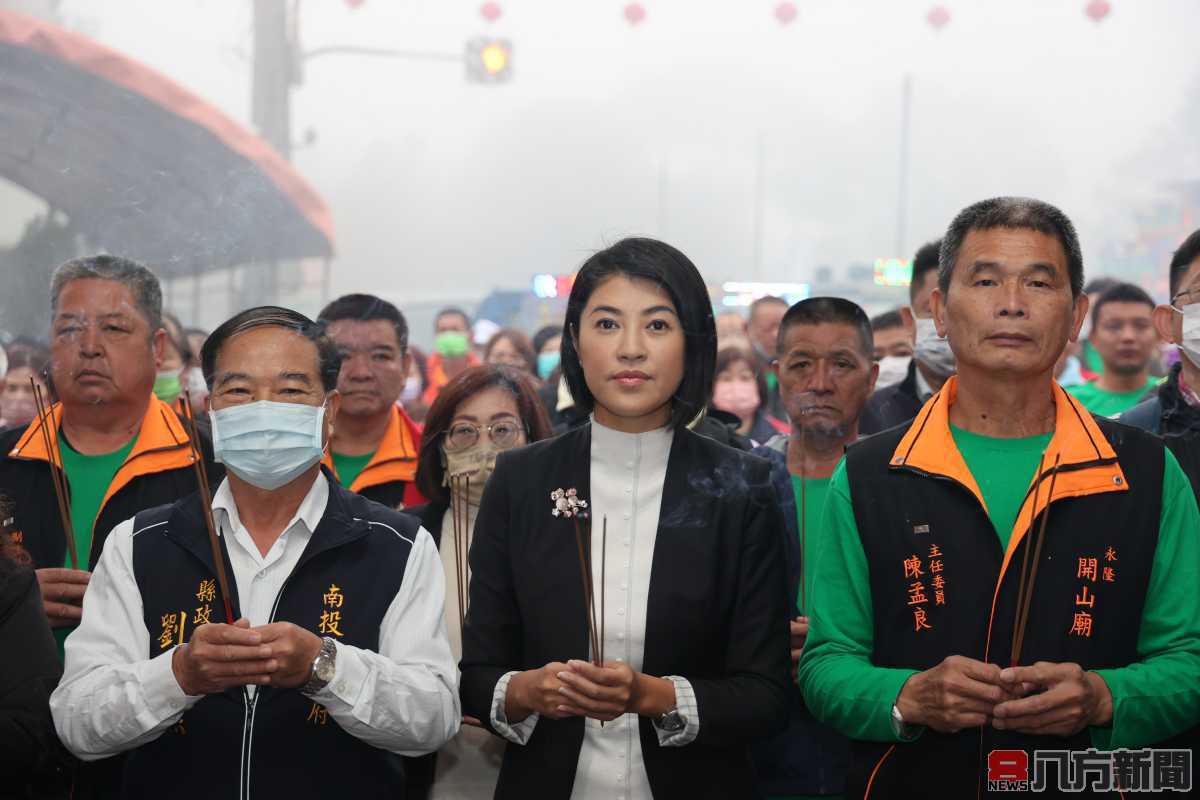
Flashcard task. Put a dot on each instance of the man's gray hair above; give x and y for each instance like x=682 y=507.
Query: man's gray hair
x=142 y=283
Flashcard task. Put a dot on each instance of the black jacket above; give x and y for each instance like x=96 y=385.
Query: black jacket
x=158 y=470
x=714 y=613
x=1166 y=413
x=891 y=405
x=31 y=759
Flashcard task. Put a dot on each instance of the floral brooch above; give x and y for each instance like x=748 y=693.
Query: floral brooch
x=568 y=504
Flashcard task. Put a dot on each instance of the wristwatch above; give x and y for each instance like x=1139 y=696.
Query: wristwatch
x=899 y=726
x=323 y=668
x=670 y=722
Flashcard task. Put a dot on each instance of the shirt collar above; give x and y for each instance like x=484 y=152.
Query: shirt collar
x=609 y=444
x=307 y=516
x=924 y=390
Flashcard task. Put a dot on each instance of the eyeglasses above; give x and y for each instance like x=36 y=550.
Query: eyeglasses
x=463 y=435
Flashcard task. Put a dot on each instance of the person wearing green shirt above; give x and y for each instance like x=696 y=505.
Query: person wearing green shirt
x=1124 y=336
x=826 y=373
x=917 y=649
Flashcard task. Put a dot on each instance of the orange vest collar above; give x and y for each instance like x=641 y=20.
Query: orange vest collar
x=394 y=460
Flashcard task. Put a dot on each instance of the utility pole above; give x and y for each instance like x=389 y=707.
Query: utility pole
x=760 y=199
x=902 y=191
x=274 y=71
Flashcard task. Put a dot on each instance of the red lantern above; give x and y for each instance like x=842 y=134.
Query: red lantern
x=938 y=17
x=635 y=13
x=1098 y=10
x=490 y=11
x=354 y=4
x=785 y=13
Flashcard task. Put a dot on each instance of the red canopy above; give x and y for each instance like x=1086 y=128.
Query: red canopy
x=141 y=165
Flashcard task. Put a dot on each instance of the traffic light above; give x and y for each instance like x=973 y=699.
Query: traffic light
x=489 y=60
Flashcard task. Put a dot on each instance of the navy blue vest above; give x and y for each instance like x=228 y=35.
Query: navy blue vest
x=276 y=742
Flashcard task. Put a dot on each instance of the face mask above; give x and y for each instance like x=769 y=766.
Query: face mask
x=477 y=462
x=18 y=410
x=167 y=386
x=268 y=444
x=739 y=398
x=1190 y=343
x=194 y=385
x=932 y=350
x=451 y=344
x=411 y=390
x=547 y=363
x=892 y=370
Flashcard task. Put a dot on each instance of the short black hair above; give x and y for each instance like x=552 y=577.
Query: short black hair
x=1014 y=213
x=767 y=300
x=662 y=264
x=1121 y=293
x=819 y=310
x=925 y=261
x=452 y=311
x=329 y=360
x=544 y=335
x=364 y=308
x=1184 y=257
x=886 y=321
x=1099 y=285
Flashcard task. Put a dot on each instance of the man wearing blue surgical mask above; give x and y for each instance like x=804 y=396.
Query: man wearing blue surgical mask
x=338 y=653
x=932 y=362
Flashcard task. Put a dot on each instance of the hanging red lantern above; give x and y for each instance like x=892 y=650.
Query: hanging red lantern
x=938 y=17
x=635 y=13
x=491 y=11
x=785 y=13
x=1098 y=10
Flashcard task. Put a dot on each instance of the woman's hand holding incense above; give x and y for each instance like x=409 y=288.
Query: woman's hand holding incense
x=62 y=594
x=535 y=691
x=221 y=657
x=612 y=690
x=1066 y=699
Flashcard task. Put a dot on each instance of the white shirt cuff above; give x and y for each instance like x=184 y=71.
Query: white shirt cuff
x=350 y=673
x=165 y=699
x=519 y=732
x=685 y=704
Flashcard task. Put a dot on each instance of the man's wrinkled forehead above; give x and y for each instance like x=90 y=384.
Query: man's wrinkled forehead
x=268 y=353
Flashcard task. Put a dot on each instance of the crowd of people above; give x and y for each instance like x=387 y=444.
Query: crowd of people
x=650 y=552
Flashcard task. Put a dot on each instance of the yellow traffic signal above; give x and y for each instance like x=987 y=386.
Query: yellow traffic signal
x=489 y=60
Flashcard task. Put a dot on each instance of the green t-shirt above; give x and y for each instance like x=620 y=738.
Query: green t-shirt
x=348 y=467
x=1004 y=469
x=810 y=503
x=1152 y=698
x=1091 y=358
x=88 y=478
x=1109 y=404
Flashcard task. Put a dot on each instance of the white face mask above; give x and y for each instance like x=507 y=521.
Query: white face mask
x=1190 y=343
x=932 y=350
x=268 y=444
x=411 y=390
x=892 y=370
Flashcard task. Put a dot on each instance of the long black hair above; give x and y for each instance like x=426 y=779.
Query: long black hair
x=659 y=262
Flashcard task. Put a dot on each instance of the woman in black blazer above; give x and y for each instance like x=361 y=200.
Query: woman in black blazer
x=691 y=569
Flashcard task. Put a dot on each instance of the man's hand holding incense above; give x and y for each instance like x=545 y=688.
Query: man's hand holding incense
x=221 y=657
x=959 y=693
x=293 y=650
x=62 y=594
x=1055 y=700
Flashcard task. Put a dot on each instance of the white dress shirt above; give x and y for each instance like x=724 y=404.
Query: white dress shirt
x=627 y=476
x=112 y=697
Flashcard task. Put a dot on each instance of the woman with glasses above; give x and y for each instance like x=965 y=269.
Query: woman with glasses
x=689 y=661
x=480 y=413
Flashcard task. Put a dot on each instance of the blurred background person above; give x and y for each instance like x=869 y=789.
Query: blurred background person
x=933 y=360
x=740 y=388
x=763 y=329
x=511 y=348
x=893 y=342
x=374 y=447
x=26 y=361
x=1124 y=337
x=1090 y=361
x=481 y=413
x=732 y=330
x=452 y=352
x=177 y=355
x=412 y=397
x=193 y=375
x=546 y=344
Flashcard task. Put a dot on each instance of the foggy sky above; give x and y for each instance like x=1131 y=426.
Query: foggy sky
x=441 y=189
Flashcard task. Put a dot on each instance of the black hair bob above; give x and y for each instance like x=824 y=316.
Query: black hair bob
x=659 y=262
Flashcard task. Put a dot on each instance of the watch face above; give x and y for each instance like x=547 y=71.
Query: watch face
x=325 y=669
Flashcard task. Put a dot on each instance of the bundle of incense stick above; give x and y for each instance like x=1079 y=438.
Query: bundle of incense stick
x=460 y=517
x=206 y=502
x=58 y=475
x=583 y=543
x=803 y=524
x=1024 y=589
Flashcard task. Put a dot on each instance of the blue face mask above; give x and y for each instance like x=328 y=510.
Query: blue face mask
x=268 y=444
x=547 y=363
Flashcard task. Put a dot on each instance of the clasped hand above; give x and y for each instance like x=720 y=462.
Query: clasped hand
x=576 y=688
x=1043 y=699
x=220 y=657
